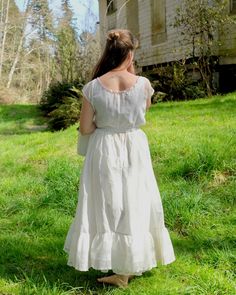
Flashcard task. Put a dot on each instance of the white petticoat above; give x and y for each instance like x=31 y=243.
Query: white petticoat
x=119 y=220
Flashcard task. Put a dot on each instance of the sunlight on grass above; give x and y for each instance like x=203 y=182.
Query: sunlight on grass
x=192 y=146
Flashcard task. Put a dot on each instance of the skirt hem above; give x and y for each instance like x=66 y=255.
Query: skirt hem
x=123 y=254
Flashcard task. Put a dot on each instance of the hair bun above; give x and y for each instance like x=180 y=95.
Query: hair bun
x=112 y=36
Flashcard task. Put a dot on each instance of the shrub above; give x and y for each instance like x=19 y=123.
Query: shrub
x=194 y=91
x=174 y=81
x=61 y=103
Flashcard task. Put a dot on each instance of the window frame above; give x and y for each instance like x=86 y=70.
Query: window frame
x=158 y=29
x=134 y=24
x=232 y=6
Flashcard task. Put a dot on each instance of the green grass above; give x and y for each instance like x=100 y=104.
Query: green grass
x=193 y=148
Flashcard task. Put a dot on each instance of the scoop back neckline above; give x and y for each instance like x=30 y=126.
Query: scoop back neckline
x=118 y=91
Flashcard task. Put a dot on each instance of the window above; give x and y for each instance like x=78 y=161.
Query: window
x=233 y=6
x=111 y=6
x=132 y=13
x=158 y=17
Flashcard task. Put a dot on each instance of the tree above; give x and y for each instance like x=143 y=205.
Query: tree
x=42 y=21
x=36 y=49
x=12 y=23
x=199 y=22
x=20 y=34
x=88 y=55
x=67 y=44
x=4 y=26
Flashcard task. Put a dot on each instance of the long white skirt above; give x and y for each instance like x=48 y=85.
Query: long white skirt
x=119 y=220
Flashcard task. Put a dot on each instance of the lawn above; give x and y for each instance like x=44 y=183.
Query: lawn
x=193 y=149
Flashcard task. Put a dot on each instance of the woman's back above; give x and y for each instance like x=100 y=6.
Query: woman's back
x=119 y=102
x=118 y=80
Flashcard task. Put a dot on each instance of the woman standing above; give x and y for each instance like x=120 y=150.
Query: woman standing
x=119 y=221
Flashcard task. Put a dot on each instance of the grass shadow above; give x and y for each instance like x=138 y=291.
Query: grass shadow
x=20 y=264
x=21 y=119
x=31 y=261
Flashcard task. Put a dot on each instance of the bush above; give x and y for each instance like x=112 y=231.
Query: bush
x=61 y=103
x=194 y=91
x=174 y=81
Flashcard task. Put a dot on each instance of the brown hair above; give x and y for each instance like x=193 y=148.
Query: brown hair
x=118 y=44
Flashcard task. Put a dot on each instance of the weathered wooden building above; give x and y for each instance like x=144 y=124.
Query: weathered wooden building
x=159 y=42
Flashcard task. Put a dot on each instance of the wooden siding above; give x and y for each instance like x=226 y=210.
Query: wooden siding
x=227 y=38
x=168 y=48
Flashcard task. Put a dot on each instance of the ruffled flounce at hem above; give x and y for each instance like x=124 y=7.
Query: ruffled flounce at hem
x=123 y=254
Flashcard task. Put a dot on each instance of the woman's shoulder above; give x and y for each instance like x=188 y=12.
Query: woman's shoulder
x=88 y=89
x=144 y=78
x=88 y=83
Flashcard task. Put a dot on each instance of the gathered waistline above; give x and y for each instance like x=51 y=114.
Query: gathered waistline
x=117 y=130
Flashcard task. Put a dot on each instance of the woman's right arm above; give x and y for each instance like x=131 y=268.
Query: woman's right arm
x=148 y=103
x=87 y=124
x=149 y=92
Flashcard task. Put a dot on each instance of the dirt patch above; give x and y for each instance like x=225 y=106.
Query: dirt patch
x=36 y=127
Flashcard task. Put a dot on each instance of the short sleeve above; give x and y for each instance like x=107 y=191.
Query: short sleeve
x=87 y=91
x=148 y=89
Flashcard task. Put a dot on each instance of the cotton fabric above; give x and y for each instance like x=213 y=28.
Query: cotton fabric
x=119 y=220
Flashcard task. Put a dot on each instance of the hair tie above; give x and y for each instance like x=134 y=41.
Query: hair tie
x=113 y=36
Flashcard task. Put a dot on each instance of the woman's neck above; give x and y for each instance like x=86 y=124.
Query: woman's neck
x=123 y=67
x=119 y=70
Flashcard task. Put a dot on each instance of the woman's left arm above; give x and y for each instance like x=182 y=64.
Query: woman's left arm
x=87 y=124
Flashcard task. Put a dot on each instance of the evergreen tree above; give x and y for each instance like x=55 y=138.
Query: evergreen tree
x=41 y=18
x=41 y=21
x=67 y=44
x=67 y=13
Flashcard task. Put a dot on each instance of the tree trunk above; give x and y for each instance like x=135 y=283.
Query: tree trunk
x=10 y=76
x=205 y=71
x=16 y=59
x=1 y=19
x=48 y=76
x=5 y=27
x=40 y=82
